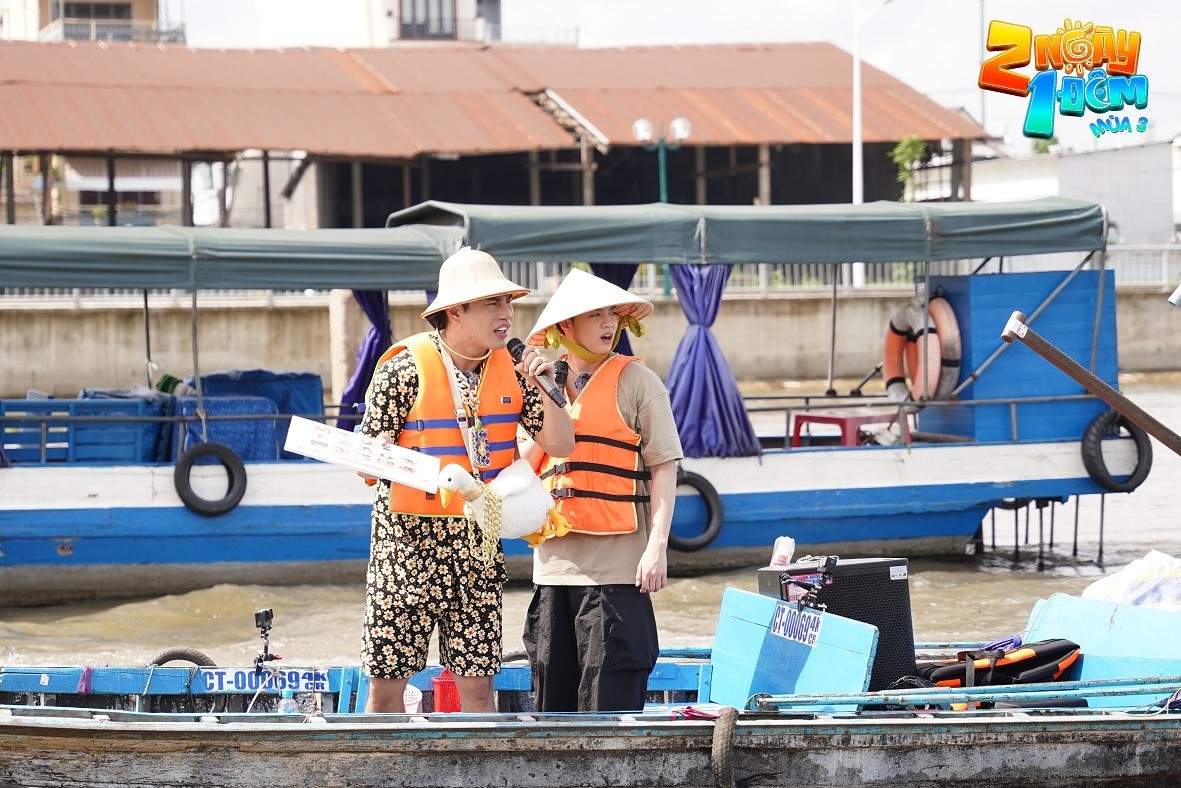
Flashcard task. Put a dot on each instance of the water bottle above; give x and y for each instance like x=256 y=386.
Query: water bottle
x=781 y=554
x=287 y=704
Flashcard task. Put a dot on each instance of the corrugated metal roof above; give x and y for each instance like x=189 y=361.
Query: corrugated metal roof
x=100 y=98
x=735 y=94
x=403 y=101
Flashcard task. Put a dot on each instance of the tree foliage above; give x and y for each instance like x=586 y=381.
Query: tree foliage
x=910 y=151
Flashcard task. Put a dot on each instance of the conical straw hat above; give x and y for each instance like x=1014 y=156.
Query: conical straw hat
x=581 y=292
x=471 y=275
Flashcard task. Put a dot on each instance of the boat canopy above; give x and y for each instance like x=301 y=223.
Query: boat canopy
x=406 y=256
x=879 y=232
x=220 y=257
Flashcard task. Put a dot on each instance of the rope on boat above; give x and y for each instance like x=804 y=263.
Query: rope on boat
x=722 y=752
x=274 y=675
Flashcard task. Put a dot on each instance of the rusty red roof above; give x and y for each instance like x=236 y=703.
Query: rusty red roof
x=736 y=94
x=160 y=99
x=462 y=98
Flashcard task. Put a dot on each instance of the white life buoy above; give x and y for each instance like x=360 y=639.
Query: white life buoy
x=927 y=355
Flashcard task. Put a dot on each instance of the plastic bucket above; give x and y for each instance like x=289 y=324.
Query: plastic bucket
x=412 y=699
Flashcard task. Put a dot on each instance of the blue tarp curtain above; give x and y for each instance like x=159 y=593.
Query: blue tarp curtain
x=620 y=276
x=706 y=403
x=375 y=305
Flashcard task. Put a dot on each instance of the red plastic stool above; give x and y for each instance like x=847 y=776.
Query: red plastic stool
x=849 y=420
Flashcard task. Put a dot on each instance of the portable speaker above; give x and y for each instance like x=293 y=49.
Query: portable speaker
x=872 y=590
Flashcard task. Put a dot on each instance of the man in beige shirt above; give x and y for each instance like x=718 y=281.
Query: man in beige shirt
x=590 y=631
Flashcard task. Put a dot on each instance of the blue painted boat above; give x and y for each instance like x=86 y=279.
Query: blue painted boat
x=802 y=718
x=87 y=510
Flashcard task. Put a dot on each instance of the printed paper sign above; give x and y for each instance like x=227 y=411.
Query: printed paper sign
x=370 y=456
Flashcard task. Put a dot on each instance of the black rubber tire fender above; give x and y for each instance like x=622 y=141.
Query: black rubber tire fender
x=1109 y=423
x=219 y=703
x=235 y=470
x=198 y=658
x=1012 y=504
x=713 y=508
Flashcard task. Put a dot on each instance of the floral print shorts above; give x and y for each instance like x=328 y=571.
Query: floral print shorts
x=422 y=575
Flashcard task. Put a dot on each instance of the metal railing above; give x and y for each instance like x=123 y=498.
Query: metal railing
x=1144 y=266
x=112 y=30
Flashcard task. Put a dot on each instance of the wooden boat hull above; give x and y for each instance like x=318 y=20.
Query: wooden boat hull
x=650 y=749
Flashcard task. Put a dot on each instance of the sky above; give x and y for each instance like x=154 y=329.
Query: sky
x=935 y=46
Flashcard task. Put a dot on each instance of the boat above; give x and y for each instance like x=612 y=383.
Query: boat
x=91 y=513
x=766 y=706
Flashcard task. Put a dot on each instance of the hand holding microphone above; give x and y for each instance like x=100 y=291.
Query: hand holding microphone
x=516 y=349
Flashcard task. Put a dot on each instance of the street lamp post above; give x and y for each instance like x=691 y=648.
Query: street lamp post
x=654 y=139
x=859 y=18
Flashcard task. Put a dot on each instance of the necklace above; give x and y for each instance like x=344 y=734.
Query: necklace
x=455 y=352
x=468 y=384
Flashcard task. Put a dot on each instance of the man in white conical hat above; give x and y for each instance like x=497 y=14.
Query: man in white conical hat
x=455 y=393
x=590 y=631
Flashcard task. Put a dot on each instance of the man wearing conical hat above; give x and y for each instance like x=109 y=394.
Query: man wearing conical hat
x=453 y=393
x=590 y=631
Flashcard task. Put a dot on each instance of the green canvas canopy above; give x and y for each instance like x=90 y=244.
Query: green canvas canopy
x=879 y=232
x=406 y=255
x=201 y=257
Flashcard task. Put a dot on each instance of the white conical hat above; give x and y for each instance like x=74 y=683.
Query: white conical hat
x=582 y=292
x=471 y=275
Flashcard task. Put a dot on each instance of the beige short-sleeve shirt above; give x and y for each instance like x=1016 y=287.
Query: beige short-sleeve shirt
x=585 y=559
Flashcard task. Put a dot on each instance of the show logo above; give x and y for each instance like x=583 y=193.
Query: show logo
x=1098 y=65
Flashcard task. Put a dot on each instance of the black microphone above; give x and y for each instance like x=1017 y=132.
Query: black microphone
x=516 y=349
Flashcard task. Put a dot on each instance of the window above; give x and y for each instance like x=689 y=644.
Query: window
x=91 y=10
x=130 y=199
x=428 y=19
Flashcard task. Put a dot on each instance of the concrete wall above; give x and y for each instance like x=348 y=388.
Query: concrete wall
x=778 y=338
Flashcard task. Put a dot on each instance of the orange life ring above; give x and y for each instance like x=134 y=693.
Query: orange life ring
x=929 y=356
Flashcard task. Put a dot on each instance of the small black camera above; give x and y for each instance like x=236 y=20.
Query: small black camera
x=262 y=620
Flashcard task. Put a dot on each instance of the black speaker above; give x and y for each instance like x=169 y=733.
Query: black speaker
x=872 y=590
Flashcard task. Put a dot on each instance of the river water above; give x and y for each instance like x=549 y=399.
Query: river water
x=974 y=600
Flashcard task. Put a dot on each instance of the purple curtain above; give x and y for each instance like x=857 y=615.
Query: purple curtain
x=706 y=403
x=377 y=339
x=620 y=276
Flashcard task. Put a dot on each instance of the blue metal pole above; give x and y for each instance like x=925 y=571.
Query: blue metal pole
x=662 y=169
x=661 y=162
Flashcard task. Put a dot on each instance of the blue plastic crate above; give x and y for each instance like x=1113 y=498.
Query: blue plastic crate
x=52 y=435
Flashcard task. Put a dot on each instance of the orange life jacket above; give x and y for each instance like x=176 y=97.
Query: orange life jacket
x=598 y=486
x=432 y=428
